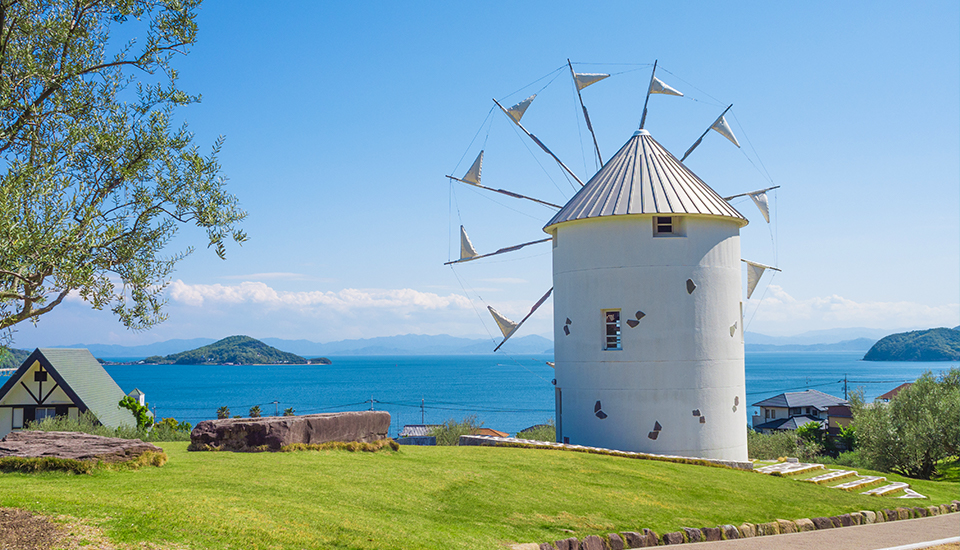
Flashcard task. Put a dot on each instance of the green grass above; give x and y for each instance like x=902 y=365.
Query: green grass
x=419 y=497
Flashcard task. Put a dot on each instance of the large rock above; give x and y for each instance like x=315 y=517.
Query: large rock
x=273 y=432
x=74 y=445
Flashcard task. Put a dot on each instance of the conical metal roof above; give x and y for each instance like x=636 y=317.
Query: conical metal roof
x=644 y=178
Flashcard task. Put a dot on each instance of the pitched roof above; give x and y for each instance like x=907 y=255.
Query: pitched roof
x=644 y=178
x=417 y=430
x=791 y=423
x=893 y=393
x=83 y=379
x=807 y=398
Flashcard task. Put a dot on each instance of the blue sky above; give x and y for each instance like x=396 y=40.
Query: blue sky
x=341 y=120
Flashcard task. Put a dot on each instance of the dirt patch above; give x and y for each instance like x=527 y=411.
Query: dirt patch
x=23 y=530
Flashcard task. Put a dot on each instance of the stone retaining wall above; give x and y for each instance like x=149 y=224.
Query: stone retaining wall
x=647 y=538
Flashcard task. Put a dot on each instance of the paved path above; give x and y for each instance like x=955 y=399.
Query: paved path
x=861 y=537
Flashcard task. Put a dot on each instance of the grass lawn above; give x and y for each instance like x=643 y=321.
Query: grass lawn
x=419 y=497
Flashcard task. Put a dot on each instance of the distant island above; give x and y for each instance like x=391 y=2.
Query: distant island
x=234 y=350
x=936 y=344
x=12 y=358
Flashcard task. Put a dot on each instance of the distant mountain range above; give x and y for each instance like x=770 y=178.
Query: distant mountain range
x=410 y=344
x=846 y=339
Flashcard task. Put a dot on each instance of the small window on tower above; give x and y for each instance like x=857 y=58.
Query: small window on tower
x=667 y=226
x=611 y=326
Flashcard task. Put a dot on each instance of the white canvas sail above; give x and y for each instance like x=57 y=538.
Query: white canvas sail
x=658 y=87
x=506 y=325
x=585 y=79
x=760 y=199
x=473 y=174
x=754 y=272
x=467 y=250
x=516 y=112
x=724 y=130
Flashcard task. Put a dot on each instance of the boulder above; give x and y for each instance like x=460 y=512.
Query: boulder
x=730 y=532
x=748 y=530
x=547 y=546
x=73 y=445
x=591 y=542
x=822 y=523
x=567 y=544
x=868 y=517
x=632 y=539
x=693 y=535
x=711 y=534
x=675 y=537
x=787 y=526
x=767 y=529
x=273 y=432
x=615 y=542
x=804 y=524
x=846 y=520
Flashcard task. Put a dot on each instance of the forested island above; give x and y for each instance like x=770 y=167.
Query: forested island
x=234 y=350
x=936 y=344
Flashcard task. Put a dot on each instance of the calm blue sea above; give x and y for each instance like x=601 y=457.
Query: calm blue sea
x=506 y=393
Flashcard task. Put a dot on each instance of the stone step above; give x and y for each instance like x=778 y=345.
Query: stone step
x=910 y=493
x=832 y=475
x=887 y=489
x=862 y=483
x=789 y=468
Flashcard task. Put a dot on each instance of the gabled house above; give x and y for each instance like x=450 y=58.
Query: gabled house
x=60 y=382
x=789 y=411
x=885 y=398
x=417 y=434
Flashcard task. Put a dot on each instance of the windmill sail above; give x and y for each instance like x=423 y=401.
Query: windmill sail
x=657 y=86
x=516 y=112
x=508 y=327
x=760 y=199
x=722 y=128
x=585 y=79
x=473 y=174
x=754 y=272
x=467 y=251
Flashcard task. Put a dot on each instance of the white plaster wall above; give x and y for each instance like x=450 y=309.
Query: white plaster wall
x=680 y=358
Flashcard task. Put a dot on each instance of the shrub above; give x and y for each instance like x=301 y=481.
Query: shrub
x=546 y=432
x=255 y=411
x=140 y=412
x=916 y=430
x=850 y=459
x=223 y=412
x=87 y=423
x=289 y=412
x=779 y=444
x=450 y=431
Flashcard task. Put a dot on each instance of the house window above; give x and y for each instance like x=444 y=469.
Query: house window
x=17 y=418
x=795 y=410
x=45 y=412
x=611 y=325
x=766 y=413
x=773 y=413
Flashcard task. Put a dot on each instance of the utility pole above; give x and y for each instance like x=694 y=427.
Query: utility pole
x=844 y=387
x=276 y=408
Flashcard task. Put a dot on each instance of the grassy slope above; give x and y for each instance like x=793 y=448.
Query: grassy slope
x=420 y=497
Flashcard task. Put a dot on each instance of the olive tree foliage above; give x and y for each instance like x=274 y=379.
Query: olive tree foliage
x=95 y=177
x=915 y=430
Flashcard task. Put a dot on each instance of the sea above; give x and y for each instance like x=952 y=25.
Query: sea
x=506 y=393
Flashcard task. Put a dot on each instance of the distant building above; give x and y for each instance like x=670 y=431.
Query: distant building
x=417 y=434
x=885 y=398
x=61 y=382
x=789 y=411
x=491 y=431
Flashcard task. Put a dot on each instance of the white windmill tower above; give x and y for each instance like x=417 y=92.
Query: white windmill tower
x=648 y=346
x=648 y=317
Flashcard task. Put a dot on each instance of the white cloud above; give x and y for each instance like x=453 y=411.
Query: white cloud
x=249 y=292
x=781 y=311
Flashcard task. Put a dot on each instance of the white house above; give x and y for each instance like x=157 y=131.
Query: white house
x=648 y=311
x=60 y=382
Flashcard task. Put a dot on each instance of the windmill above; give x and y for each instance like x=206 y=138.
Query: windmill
x=648 y=313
